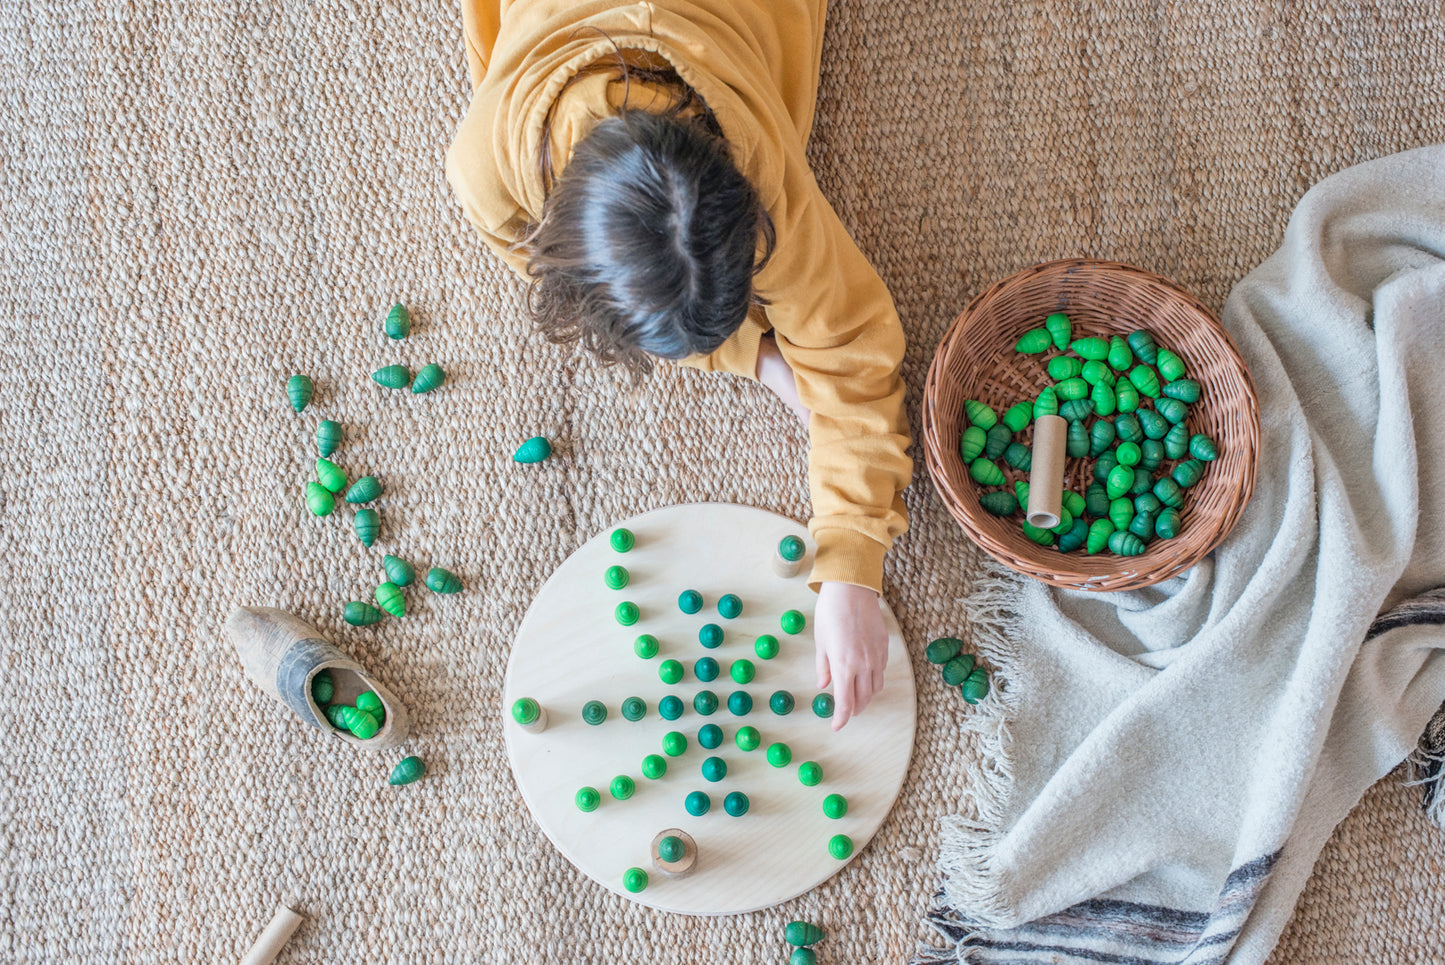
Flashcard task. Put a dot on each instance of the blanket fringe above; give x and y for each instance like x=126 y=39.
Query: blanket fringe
x=1427 y=769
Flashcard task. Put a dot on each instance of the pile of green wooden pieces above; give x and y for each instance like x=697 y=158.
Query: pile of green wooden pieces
x=1126 y=401
x=801 y=935
x=959 y=669
x=362 y=719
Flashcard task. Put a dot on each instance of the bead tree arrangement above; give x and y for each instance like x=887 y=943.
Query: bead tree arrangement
x=1104 y=303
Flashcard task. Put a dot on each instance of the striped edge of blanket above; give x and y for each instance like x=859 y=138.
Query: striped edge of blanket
x=1427 y=762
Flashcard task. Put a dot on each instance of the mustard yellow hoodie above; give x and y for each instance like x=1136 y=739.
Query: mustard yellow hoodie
x=755 y=63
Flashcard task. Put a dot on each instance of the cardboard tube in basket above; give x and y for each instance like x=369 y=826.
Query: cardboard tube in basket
x=274 y=938
x=1046 y=480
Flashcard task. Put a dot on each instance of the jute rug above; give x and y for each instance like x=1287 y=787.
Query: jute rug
x=199 y=199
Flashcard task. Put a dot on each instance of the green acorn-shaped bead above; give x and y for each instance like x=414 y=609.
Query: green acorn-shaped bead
x=389 y=598
x=1176 y=442
x=1171 y=366
x=1101 y=436
x=1098 y=539
x=1120 y=356
x=1171 y=409
x=1104 y=398
x=1075 y=537
x=1096 y=500
x=1064 y=367
x=1185 y=390
x=328 y=436
x=956 y=670
x=1126 y=396
x=392 y=376
x=1121 y=480
x=1034 y=341
x=408 y=771
x=986 y=473
x=430 y=377
x=840 y=846
x=1123 y=543
x=1168 y=524
x=1142 y=526
x=1019 y=415
x=366 y=523
x=1094 y=349
x=1143 y=346
x=1147 y=503
x=1155 y=426
x=361 y=614
x=980 y=414
x=1066 y=522
x=1188 y=473
x=1128 y=428
x=1021 y=491
x=1076 y=410
x=975 y=688
x=1041 y=536
x=1169 y=493
x=1151 y=454
x=1128 y=454
x=803 y=933
x=1121 y=512
x=616 y=577
x=1019 y=456
x=323 y=688
x=943 y=649
x=1143 y=481
x=533 y=450
x=319 y=499
x=1076 y=443
x=1202 y=447
x=398 y=570
x=1069 y=389
x=362 y=725
x=398 y=322
x=299 y=389
x=1103 y=466
x=364 y=490
x=370 y=701
x=999 y=503
x=1096 y=372
x=997 y=440
x=1145 y=381
x=439 y=580
x=1060 y=330
x=971 y=444
x=1047 y=402
x=334 y=716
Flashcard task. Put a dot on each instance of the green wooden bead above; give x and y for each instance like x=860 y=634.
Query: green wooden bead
x=1094 y=349
x=1188 y=473
x=594 y=712
x=361 y=614
x=834 y=807
x=1128 y=454
x=823 y=705
x=328 y=436
x=526 y=711
x=802 y=932
x=627 y=613
x=364 y=490
x=616 y=577
x=370 y=701
x=705 y=702
x=1128 y=428
x=1202 y=447
x=1071 y=389
x=706 y=669
x=1143 y=481
x=792 y=622
x=1147 y=503
x=999 y=503
x=1021 y=492
x=1142 y=526
x=1096 y=373
x=1096 y=500
x=398 y=570
x=634 y=880
x=1155 y=426
x=1176 y=442
x=1168 y=524
x=390 y=599
x=654 y=766
x=1077 y=535
x=697 y=804
x=997 y=439
x=980 y=414
x=299 y=389
x=1066 y=522
x=336 y=717
x=709 y=737
x=392 y=376
x=986 y=473
x=1074 y=503
x=323 y=688
x=670 y=707
x=1169 y=493
x=1145 y=381
x=780 y=755
x=674 y=744
x=958 y=669
x=729 y=607
x=1104 y=398
x=810 y=773
x=1098 y=539
x=363 y=726
x=430 y=377
x=714 y=769
x=319 y=500
x=781 y=703
x=1047 y=402
x=367 y=524
x=975 y=688
x=1120 y=357
x=1124 y=543
x=622 y=539
x=408 y=770
x=1034 y=341
x=1041 y=536
x=1172 y=409
x=1121 y=479
x=634 y=709
x=1151 y=454
x=736 y=804
x=972 y=443
x=1185 y=390
x=587 y=799
x=439 y=580
x=840 y=846
x=1143 y=345
x=669 y=672
x=1126 y=396
x=747 y=738
x=1076 y=443
x=330 y=475
x=398 y=322
x=766 y=646
x=622 y=787
x=1019 y=416
x=1171 y=366
x=943 y=649
x=710 y=636
x=689 y=601
x=1076 y=410
x=1064 y=367
x=1019 y=456
x=1059 y=329
x=1103 y=466
x=1121 y=512
x=740 y=703
x=535 y=450
x=671 y=849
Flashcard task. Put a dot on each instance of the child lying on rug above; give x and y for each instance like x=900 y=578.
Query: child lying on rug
x=643 y=166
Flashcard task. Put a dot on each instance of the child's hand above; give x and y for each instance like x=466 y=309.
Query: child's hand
x=852 y=647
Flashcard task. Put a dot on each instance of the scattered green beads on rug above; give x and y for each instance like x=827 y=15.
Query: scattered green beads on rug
x=956 y=671
x=766 y=647
x=975 y=688
x=710 y=636
x=616 y=577
x=697 y=804
x=330 y=475
x=634 y=880
x=810 y=773
x=689 y=601
x=430 y=377
x=364 y=490
x=390 y=599
x=408 y=770
x=729 y=607
x=594 y=712
x=627 y=613
x=534 y=450
x=736 y=804
x=587 y=799
x=840 y=846
x=622 y=540
x=792 y=622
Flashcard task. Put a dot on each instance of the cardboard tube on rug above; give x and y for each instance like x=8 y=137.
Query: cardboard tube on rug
x=274 y=937
x=1046 y=479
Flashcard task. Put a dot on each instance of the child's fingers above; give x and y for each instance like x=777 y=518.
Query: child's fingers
x=863 y=688
x=877 y=681
x=843 y=700
x=821 y=659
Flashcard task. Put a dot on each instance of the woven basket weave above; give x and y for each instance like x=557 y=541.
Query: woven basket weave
x=977 y=360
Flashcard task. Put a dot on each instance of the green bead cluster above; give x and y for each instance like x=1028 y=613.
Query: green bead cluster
x=389 y=598
x=1137 y=395
x=958 y=669
x=363 y=718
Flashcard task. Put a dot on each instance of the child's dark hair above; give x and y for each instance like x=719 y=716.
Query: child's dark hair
x=649 y=240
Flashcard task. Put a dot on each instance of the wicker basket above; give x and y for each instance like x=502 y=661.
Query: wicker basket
x=976 y=360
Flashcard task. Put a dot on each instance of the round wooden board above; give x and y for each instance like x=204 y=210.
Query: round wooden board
x=570 y=649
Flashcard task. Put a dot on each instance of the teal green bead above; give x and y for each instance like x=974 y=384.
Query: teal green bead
x=634 y=880
x=1034 y=341
x=803 y=933
x=780 y=755
x=958 y=669
x=1077 y=441
x=710 y=636
x=823 y=705
x=1126 y=396
x=1129 y=428
x=1155 y=426
x=943 y=649
x=810 y=774
x=430 y=377
x=1128 y=454
x=1124 y=543
x=671 y=849
x=1143 y=345
x=1176 y=442
x=1094 y=349
x=392 y=376
x=364 y=490
x=328 y=437
x=361 y=614
x=1168 y=524
x=1096 y=373
x=1060 y=330
x=330 y=475
x=1104 y=465
x=1188 y=473
x=670 y=707
x=1019 y=456
x=1076 y=410
x=367 y=524
x=1171 y=366
x=747 y=738
x=1077 y=535
x=622 y=787
x=407 y=771
x=736 y=804
x=526 y=711
x=697 y=804
x=616 y=577
x=1063 y=367
x=439 y=580
x=1073 y=502
x=654 y=767
x=1041 y=536
x=534 y=450
x=1202 y=447
x=980 y=414
x=621 y=539
x=1072 y=389
x=1147 y=503
x=1096 y=500
x=1121 y=512
x=1152 y=454
x=996 y=440
x=792 y=622
x=627 y=613
x=1019 y=416
x=1169 y=493
x=706 y=669
x=319 y=500
x=1172 y=410
x=1142 y=526
x=1185 y=390
x=835 y=806
x=709 y=737
x=975 y=688
x=840 y=846
x=398 y=322
x=1145 y=381
x=1104 y=398
x=299 y=389
x=705 y=703
x=398 y=570
x=335 y=716
x=689 y=601
x=1143 y=481
x=1047 y=402
x=766 y=646
x=1120 y=356
x=714 y=769
x=986 y=473
x=594 y=712
x=669 y=672
x=729 y=607
x=389 y=598
x=674 y=744
x=781 y=703
x=972 y=443
x=634 y=709
x=1098 y=539
x=1121 y=479
x=740 y=703
x=587 y=799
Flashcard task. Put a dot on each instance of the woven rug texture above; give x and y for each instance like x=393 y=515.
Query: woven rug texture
x=198 y=199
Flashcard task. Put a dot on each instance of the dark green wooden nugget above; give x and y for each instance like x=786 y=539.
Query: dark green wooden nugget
x=999 y=503
x=706 y=669
x=740 y=703
x=710 y=636
x=319 y=499
x=1128 y=428
x=709 y=737
x=1185 y=390
x=1202 y=447
x=714 y=769
x=1176 y=442
x=975 y=688
x=1096 y=500
x=323 y=688
x=408 y=771
x=535 y=450
x=392 y=376
x=634 y=709
x=943 y=649
x=1142 y=526
x=729 y=607
x=997 y=439
x=1151 y=454
x=781 y=703
x=1102 y=467
x=1143 y=346
x=671 y=849
x=689 y=601
x=736 y=804
x=1169 y=493
x=439 y=580
x=1076 y=410
x=335 y=717
x=697 y=804
x=792 y=622
x=398 y=322
x=1155 y=426
x=398 y=570
x=1019 y=456
x=328 y=436
x=1077 y=535
x=670 y=707
x=299 y=389
x=1172 y=409
x=361 y=614
x=1188 y=473
x=958 y=669
x=705 y=703
x=594 y=712
x=367 y=524
x=364 y=490
x=1147 y=503
x=430 y=377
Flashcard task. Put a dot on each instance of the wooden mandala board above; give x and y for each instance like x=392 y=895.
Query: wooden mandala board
x=570 y=649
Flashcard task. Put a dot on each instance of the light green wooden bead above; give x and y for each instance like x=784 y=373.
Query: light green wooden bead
x=408 y=771
x=654 y=767
x=534 y=450
x=980 y=414
x=669 y=672
x=616 y=577
x=367 y=524
x=1155 y=426
x=398 y=322
x=1066 y=522
x=1060 y=330
x=361 y=614
x=1171 y=366
x=971 y=444
x=328 y=436
x=392 y=376
x=526 y=711
x=1121 y=480
x=1126 y=396
x=621 y=539
x=1105 y=399
x=1168 y=524
x=747 y=738
x=1145 y=381
x=1064 y=367
x=1072 y=389
x=364 y=490
x=1128 y=454
x=634 y=880
x=1096 y=373
x=319 y=499
x=985 y=472
x=627 y=613
x=780 y=755
x=430 y=377
x=1021 y=492
x=1120 y=357
x=1041 y=536
x=1019 y=416
x=742 y=671
x=398 y=570
x=792 y=622
x=766 y=646
x=1077 y=535
x=1034 y=341
x=1093 y=349
x=1098 y=539
x=362 y=725
x=439 y=580
x=674 y=744
x=389 y=598
x=299 y=389
x=1047 y=402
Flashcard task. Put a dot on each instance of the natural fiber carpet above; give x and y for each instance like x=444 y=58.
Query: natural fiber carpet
x=199 y=199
